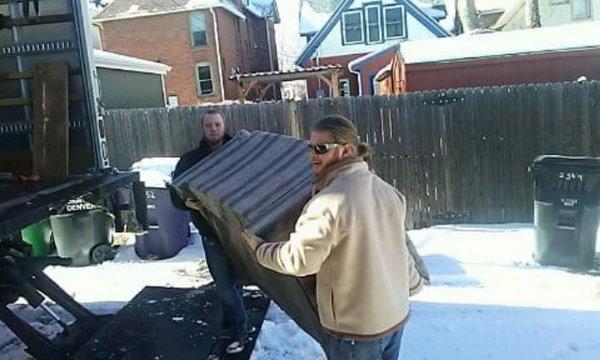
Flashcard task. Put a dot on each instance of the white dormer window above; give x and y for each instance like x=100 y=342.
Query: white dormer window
x=352 y=27
x=394 y=20
x=373 y=15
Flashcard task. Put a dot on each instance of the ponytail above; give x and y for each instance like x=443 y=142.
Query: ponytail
x=365 y=153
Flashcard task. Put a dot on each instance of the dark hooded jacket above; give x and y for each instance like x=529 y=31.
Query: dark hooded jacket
x=185 y=162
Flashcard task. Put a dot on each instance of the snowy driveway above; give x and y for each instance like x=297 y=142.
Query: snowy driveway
x=487 y=300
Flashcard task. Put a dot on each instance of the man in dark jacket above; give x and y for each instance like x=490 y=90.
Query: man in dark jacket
x=230 y=292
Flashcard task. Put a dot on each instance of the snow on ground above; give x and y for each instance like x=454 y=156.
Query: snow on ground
x=106 y=288
x=488 y=300
x=116 y=282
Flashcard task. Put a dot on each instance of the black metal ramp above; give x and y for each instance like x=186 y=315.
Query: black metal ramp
x=169 y=323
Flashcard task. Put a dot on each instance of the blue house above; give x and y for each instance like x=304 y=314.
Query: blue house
x=359 y=27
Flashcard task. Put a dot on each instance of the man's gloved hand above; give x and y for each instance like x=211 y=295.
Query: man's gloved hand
x=252 y=240
x=193 y=204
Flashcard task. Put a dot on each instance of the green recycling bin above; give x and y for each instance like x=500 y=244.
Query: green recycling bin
x=39 y=236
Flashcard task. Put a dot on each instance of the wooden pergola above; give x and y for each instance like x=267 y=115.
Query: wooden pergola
x=264 y=81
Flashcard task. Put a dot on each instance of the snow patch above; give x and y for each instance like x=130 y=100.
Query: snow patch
x=503 y=43
x=488 y=300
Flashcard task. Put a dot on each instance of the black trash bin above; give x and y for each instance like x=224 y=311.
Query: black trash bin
x=567 y=210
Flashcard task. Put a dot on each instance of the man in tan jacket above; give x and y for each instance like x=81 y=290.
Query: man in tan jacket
x=351 y=235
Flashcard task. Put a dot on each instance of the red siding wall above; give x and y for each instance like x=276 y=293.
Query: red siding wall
x=556 y=67
x=313 y=84
x=370 y=69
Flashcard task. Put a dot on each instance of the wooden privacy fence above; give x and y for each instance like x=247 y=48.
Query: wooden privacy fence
x=463 y=151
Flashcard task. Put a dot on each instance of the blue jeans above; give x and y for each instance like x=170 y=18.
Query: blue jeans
x=386 y=348
x=229 y=291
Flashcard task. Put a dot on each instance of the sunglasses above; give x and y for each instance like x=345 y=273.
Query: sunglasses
x=322 y=148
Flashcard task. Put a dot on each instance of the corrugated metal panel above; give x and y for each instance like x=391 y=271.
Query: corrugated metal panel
x=259 y=175
x=258 y=181
x=287 y=72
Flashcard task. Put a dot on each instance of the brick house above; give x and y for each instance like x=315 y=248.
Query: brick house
x=357 y=28
x=191 y=36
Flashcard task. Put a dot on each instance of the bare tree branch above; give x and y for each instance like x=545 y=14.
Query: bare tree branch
x=532 y=14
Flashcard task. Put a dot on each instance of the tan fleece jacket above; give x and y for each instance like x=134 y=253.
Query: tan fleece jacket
x=351 y=235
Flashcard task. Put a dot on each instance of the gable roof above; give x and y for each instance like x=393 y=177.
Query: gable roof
x=312 y=20
x=502 y=43
x=335 y=17
x=358 y=63
x=128 y=9
x=110 y=60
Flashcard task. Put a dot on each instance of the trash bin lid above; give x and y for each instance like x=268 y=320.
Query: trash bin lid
x=591 y=163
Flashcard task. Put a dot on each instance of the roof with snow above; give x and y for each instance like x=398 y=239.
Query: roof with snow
x=126 y=9
x=110 y=60
x=417 y=12
x=361 y=61
x=463 y=47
